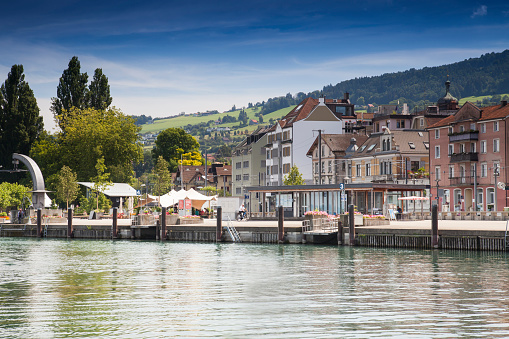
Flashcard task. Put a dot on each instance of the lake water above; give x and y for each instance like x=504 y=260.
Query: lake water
x=127 y=289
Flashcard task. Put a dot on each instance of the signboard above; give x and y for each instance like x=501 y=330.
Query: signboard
x=341 y=186
x=343 y=197
x=138 y=192
x=181 y=204
x=188 y=204
x=392 y=215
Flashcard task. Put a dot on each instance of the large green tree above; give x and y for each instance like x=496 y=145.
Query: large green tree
x=90 y=135
x=172 y=143
x=99 y=91
x=294 y=177
x=20 y=123
x=162 y=177
x=67 y=185
x=71 y=92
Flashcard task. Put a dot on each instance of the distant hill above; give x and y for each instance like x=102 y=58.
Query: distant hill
x=486 y=75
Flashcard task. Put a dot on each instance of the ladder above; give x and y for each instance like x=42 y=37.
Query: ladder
x=232 y=231
x=505 y=236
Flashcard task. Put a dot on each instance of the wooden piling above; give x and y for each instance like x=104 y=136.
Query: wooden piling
x=434 y=226
x=39 y=223
x=340 y=232
x=280 y=224
x=219 y=226
x=69 y=223
x=115 y=215
x=351 y=222
x=163 y=223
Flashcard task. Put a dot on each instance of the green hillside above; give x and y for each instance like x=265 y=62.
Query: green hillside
x=479 y=99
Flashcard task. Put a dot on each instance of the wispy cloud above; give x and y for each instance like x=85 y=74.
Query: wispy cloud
x=480 y=11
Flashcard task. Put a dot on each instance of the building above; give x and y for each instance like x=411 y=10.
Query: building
x=248 y=167
x=469 y=158
x=291 y=137
x=218 y=175
x=328 y=156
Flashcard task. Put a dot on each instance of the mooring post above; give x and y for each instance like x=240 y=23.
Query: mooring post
x=39 y=223
x=115 y=214
x=340 y=232
x=434 y=225
x=163 y=223
x=280 y=224
x=219 y=226
x=69 y=223
x=351 y=223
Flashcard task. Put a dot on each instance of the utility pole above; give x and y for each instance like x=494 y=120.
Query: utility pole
x=319 y=155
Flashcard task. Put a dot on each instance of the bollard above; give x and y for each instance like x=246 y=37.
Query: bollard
x=39 y=223
x=163 y=223
x=434 y=226
x=69 y=223
x=340 y=232
x=219 y=227
x=280 y=226
x=351 y=222
x=114 y=232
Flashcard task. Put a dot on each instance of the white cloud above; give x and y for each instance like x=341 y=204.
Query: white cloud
x=480 y=11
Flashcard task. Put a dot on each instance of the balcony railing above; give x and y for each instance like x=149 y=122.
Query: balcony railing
x=472 y=135
x=462 y=157
x=458 y=181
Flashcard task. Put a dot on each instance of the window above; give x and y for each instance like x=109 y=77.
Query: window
x=426 y=144
x=246 y=164
x=411 y=145
x=484 y=170
x=368 y=169
x=316 y=167
x=451 y=171
x=483 y=146
x=286 y=135
x=238 y=165
x=472 y=147
x=286 y=168
x=268 y=154
x=451 y=130
x=263 y=163
x=238 y=177
x=245 y=177
x=495 y=126
x=274 y=169
x=462 y=148
x=358 y=171
x=274 y=153
x=371 y=147
x=323 y=151
x=479 y=197
x=450 y=149
x=437 y=173
x=330 y=166
x=286 y=151
x=490 y=195
x=437 y=152
x=238 y=191
x=462 y=128
x=483 y=128
x=437 y=134
x=496 y=145
x=422 y=122
x=400 y=123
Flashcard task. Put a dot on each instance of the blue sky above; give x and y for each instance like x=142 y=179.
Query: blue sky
x=167 y=57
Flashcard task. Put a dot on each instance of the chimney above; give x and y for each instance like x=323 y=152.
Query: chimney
x=503 y=103
x=321 y=100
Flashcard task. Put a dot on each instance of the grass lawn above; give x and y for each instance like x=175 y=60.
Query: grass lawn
x=474 y=100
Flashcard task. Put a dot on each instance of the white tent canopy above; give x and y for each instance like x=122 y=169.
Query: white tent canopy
x=173 y=197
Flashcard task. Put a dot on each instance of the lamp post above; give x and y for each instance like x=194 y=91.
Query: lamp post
x=496 y=173
x=142 y=185
x=437 y=197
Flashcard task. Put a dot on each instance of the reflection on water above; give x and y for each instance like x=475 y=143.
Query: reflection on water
x=123 y=289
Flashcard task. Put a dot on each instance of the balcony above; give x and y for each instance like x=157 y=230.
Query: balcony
x=463 y=181
x=466 y=136
x=464 y=157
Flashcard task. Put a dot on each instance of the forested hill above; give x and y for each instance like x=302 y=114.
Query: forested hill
x=486 y=75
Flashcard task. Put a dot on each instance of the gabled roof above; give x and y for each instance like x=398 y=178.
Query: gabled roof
x=224 y=171
x=471 y=112
x=337 y=142
x=409 y=141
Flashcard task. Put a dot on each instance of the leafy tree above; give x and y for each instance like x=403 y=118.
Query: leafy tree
x=172 y=143
x=99 y=91
x=11 y=195
x=162 y=177
x=193 y=158
x=71 y=92
x=67 y=185
x=20 y=123
x=294 y=177
x=91 y=135
x=101 y=180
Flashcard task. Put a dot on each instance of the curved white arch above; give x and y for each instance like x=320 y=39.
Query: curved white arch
x=37 y=179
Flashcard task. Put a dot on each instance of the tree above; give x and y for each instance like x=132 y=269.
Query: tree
x=294 y=177
x=101 y=180
x=91 y=135
x=193 y=158
x=162 y=177
x=99 y=91
x=71 y=92
x=20 y=123
x=11 y=195
x=67 y=185
x=172 y=143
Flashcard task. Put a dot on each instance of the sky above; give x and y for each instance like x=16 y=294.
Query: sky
x=167 y=57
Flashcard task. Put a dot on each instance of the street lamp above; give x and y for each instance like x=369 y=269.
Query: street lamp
x=142 y=185
x=496 y=173
x=437 y=197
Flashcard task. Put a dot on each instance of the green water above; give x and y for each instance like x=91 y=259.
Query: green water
x=124 y=289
